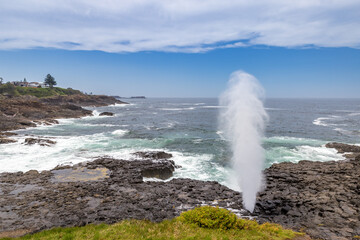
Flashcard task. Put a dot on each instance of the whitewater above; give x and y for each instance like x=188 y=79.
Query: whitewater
x=188 y=129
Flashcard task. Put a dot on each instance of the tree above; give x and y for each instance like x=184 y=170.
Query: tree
x=1 y=79
x=24 y=80
x=50 y=80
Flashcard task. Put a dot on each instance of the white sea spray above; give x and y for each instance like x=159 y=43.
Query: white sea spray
x=243 y=121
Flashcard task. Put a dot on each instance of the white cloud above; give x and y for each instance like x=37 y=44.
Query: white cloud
x=177 y=25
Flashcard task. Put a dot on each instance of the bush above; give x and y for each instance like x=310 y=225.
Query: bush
x=210 y=217
x=8 y=89
x=219 y=218
x=39 y=92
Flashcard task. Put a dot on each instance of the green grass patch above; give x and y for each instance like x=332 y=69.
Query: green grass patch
x=200 y=223
x=9 y=89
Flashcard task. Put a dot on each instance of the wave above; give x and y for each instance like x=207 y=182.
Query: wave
x=177 y=109
x=293 y=141
x=347 y=132
x=320 y=121
x=212 y=107
x=198 y=140
x=354 y=114
x=120 y=132
x=67 y=150
x=121 y=105
x=311 y=153
x=98 y=125
x=275 y=109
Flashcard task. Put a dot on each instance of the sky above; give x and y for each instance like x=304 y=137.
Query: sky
x=184 y=48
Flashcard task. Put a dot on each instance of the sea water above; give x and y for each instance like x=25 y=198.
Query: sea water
x=298 y=129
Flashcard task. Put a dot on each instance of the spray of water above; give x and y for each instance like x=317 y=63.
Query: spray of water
x=243 y=121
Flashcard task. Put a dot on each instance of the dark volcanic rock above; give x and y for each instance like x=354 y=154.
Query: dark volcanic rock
x=322 y=198
x=106 y=114
x=83 y=100
x=25 y=111
x=106 y=190
x=4 y=140
x=153 y=155
x=342 y=148
x=40 y=141
x=7 y=134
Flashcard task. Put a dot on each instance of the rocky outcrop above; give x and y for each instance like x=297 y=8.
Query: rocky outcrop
x=105 y=190
x=153 y=155
x=350 y=151
x=106 y=114
x=342 y=147
x=27 y=111
x=4 y=140
x=83 y=100
x=321 y=198
x=40 y=141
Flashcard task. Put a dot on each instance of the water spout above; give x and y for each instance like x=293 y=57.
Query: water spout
x=243 y=120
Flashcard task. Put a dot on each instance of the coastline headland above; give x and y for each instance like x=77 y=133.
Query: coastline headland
x=20 y=112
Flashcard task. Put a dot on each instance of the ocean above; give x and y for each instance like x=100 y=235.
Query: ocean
x=297 y=130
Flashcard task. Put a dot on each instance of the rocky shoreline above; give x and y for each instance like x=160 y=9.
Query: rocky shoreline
x=319 y=198
x=105 y=190
x=29 y=111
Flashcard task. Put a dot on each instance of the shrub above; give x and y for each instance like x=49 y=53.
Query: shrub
x=210 y=217
x=9 y=89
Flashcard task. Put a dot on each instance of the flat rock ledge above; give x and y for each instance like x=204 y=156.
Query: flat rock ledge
x=105 y=190
x=320 y=198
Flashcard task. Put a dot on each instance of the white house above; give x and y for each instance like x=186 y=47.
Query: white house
x=44 y=85
x=34 y=84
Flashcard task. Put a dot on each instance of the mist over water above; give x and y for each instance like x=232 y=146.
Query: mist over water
x=243 y=121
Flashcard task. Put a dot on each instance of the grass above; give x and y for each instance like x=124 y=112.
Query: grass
x=9 y=89
x=178 y=228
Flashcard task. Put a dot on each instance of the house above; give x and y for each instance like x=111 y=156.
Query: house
x=30 y=84
x=34 y=84
x=23 y=84
x=44 y=85
x=20 y=83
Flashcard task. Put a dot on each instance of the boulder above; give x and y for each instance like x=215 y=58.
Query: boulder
x=106 y=114
x=154 y=155
x=6 y=140
x=40 y=141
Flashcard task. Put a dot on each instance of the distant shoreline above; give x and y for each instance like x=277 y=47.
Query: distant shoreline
x=19 y=112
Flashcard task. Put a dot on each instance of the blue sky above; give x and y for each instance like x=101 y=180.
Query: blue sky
x=323 y=72
x=184 y=48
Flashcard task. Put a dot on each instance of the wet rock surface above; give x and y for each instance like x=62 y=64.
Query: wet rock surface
x=321 y=198
x=153 y=155
x=24 y=111
x=106 y=114
x=28 y=111
x=40 y=141
x=105 y=190
x=5 y=140
x=343 y=148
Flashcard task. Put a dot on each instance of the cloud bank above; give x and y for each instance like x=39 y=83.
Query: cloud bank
x=177 y=25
